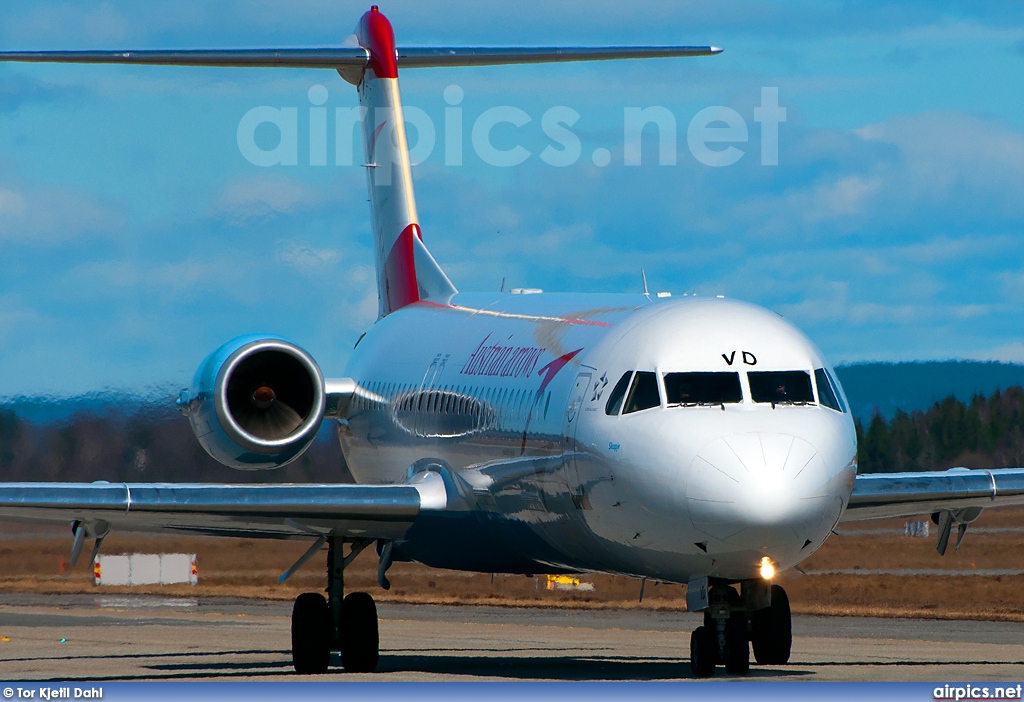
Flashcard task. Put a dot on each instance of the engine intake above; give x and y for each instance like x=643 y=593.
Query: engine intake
x=257 y=402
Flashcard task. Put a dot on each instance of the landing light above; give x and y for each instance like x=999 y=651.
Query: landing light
x=767 y=568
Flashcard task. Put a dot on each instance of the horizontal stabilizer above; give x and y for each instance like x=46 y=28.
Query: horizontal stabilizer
x=356 y=56
x=242 y=58
x=497 y=56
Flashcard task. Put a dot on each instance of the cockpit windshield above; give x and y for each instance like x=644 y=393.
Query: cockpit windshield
x=781 y=387
x=702 y=388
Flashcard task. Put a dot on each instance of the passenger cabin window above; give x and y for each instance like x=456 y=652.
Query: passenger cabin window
x=702 y=388
x=618 y=394
x=781 y=387
x=643 y=394
x=826 y=395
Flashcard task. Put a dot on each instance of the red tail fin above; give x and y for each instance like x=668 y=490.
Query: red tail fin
x=406 y=272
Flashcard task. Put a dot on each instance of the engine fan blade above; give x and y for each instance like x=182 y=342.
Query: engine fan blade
x=268 y=417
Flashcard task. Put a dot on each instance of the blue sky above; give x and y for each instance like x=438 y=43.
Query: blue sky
x=136 y=237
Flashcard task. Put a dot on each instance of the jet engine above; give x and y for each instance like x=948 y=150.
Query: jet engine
x=256 y=403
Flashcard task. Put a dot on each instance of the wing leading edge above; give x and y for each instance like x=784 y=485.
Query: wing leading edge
x=260 y=511
x=883 y=495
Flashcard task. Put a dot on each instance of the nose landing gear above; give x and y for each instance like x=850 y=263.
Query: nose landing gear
x=771 y=630
x=732 y=622
x=703 y=652
x=335 y=623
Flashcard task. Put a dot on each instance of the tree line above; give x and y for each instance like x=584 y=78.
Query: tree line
x=140 y=444
x=987 y=432
x=149 y=443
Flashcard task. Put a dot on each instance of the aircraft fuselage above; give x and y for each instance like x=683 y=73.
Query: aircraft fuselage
x=510 y=397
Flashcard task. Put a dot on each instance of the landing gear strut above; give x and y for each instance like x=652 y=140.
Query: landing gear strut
x=732 y=620
x=335 y=623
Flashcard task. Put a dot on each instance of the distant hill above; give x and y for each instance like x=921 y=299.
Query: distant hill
x=917 y=386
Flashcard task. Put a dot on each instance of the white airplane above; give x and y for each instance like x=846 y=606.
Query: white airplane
x=699 y=441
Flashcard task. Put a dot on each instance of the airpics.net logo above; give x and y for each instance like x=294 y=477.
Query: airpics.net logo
x=715 y=136
x=958 y=693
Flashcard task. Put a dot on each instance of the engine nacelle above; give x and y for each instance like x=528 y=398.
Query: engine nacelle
x=256 y=403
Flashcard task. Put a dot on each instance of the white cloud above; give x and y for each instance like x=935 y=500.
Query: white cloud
x=52 y=215
x=17 y=321
x=953 y=155
x=1012 y=284
x=936 y=172
x=307 y=259
x=364 y=312
x=192 y=276
x=963 y=312
x=841 y=198
x=1007 y=353
x=262 y=196
x=551 y=242
x=12 y=203
x=131 y=281
x=832 y=205
x=104 y=275
x=839 y=311
x=103 y=23
x=824 y=303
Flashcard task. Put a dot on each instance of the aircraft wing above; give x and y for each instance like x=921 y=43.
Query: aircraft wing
x=257 y=511
x=883 y=495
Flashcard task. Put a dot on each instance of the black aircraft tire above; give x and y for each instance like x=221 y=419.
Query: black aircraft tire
x=737 y=649
x=771 y=630
x=360 y=639
x=311 y=634
x=702 y=652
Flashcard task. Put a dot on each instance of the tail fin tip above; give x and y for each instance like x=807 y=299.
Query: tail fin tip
x=377 y=36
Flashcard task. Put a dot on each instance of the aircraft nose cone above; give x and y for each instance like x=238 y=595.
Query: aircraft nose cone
x=759 y=490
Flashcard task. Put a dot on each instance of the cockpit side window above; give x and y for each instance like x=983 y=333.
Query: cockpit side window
x=643 y=394
x=826 y=395
x=781 y=387
x=702 y=388
x=617 y=395
x=838 y=390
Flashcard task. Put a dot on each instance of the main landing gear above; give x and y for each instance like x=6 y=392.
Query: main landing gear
x=335 y=623
x=760 y=616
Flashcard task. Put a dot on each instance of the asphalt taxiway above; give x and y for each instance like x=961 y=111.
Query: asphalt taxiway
x=102 y=638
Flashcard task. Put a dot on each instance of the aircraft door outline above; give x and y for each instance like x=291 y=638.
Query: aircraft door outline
x=573 y=413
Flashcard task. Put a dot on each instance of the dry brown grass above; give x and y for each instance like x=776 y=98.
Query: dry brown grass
x=31 y=561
